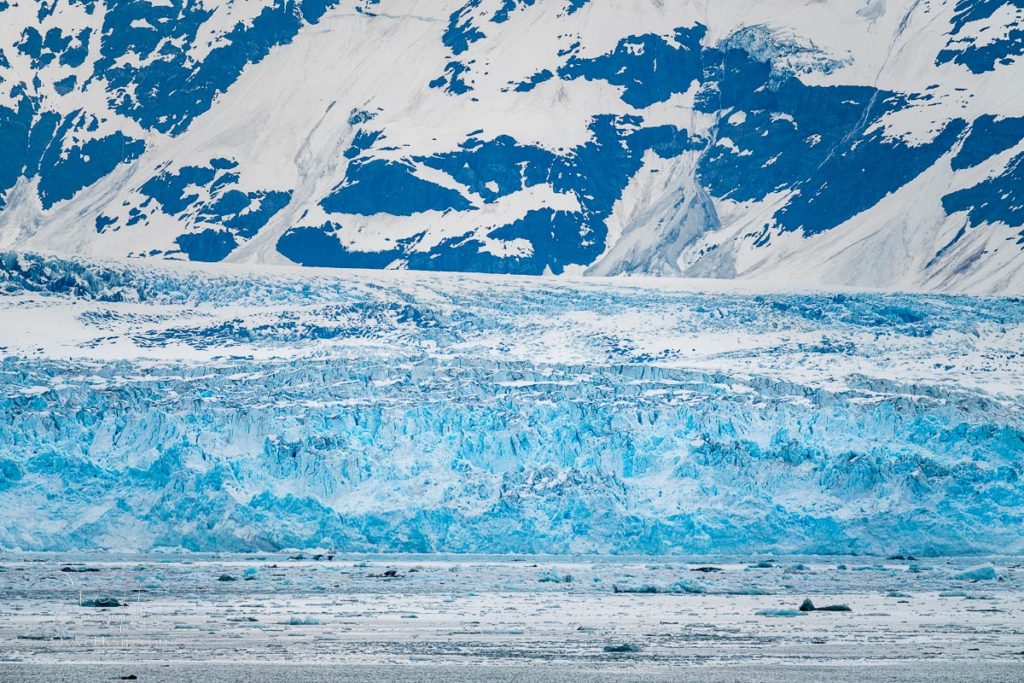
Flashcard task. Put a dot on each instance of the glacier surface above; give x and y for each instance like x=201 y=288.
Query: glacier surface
x=240 y=408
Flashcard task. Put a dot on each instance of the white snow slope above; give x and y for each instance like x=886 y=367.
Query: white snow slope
x=862 y=142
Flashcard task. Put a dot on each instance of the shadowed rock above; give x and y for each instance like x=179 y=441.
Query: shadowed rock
x=808 y=606
x=625 y=647
x=103 y=602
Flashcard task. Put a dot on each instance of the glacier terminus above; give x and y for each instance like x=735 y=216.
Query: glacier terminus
x=149 y=408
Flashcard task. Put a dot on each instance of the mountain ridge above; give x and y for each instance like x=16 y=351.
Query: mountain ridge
x=873 y=144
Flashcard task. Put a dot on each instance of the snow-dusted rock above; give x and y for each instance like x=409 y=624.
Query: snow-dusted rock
x=877 y=144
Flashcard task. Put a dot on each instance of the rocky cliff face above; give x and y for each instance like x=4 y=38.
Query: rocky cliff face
x=870 y=143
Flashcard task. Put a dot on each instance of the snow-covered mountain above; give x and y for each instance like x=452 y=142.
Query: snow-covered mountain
x=869 y=142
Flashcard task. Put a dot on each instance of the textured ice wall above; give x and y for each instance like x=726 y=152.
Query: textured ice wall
x=143 y=408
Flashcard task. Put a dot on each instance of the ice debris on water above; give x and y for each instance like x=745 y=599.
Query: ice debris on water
x=981 y=572
x=552 y=576
x=623 y=648
x=46 y=634
x=639 y=588
x=103 y=602
x=302 y=621
x=780 y=612
x=681 y=586
x=687 y=586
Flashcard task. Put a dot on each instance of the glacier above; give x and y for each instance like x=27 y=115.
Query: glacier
x=218 y=408
x=511 y=339
x=855 y=143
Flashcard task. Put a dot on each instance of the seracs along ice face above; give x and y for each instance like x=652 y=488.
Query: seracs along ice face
x=145 y=408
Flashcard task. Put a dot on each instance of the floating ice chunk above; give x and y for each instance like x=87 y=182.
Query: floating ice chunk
x=981 y=572
x=687 y=586
x=681 y=586
x=47 y=633
x=639 y=588
x=552 y=576
x=624 y=647
x=775 y=612
x=103 y=602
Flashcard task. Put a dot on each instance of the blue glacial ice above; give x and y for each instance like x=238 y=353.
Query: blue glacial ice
x=154 y=407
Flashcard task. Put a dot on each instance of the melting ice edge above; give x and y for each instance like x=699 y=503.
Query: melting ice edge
x=155 y=407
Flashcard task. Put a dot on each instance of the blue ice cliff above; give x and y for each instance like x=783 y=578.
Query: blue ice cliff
x=149 y=407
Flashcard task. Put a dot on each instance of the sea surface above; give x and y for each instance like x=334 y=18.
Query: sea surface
x=324 y=616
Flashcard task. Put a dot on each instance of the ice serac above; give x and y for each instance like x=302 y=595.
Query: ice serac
x=151 y=407
x=875 y=144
